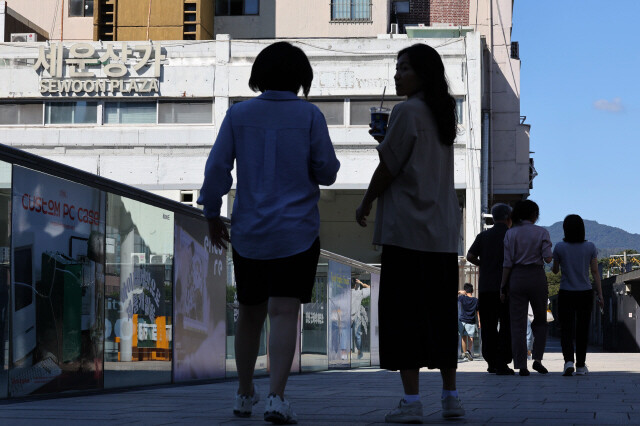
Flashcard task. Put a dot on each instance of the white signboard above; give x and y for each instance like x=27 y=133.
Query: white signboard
x=120 y=68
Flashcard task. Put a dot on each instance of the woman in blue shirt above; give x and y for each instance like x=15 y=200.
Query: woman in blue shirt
x=281 y=146
x=575 y=256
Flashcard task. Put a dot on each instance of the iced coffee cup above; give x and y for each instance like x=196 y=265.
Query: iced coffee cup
x=379 y=120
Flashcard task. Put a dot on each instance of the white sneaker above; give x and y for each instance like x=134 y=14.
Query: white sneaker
x=452 y=407
x=568 y=369
x=581 y=371
x=244 y=403
x=405 y=413
x=277 y=410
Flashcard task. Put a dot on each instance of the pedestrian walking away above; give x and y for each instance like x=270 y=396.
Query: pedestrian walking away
x=487 y=252
x=417 y=224
x=283 y=152
x=575 y=257
x=526 y=248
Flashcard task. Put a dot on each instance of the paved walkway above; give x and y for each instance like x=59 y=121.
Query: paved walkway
x=610 y=394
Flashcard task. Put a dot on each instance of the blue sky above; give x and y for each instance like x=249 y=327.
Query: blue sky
x=580 y=92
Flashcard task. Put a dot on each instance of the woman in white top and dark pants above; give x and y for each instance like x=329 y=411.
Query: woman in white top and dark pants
x=575 y=257
x=417 y=224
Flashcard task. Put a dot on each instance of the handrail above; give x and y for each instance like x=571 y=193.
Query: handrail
x=349 y=261
x=44 y=165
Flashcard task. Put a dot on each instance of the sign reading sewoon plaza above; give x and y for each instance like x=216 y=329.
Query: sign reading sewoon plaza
x=76 y=73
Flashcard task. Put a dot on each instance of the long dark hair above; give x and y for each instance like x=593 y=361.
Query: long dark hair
x=428 y=66
x=573 y=227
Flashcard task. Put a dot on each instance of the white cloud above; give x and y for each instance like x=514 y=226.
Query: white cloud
x=614 y=105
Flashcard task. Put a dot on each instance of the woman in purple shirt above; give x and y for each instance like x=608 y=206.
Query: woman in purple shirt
x=526 y=248
x=282 y=151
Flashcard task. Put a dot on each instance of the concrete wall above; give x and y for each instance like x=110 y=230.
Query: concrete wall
x=47 y=14
x=509 y=172
x=300 y=19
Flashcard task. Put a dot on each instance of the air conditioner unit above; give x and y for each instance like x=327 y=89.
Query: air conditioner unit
x=160 y=259
x=395 y=29
x=23 y=38
x=138 y=258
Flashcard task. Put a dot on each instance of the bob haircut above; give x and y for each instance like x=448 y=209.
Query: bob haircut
x=573 y=226
x=428 y=66
x=281 y=66
x=525 y=210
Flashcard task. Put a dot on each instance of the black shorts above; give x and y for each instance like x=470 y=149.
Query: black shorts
x=257 y=280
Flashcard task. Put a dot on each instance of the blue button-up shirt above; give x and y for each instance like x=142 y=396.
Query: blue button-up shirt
x=283 y=153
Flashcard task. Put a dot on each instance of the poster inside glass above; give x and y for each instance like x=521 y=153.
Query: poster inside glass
x=57 y=285
x=200 y=285
x=138 y=293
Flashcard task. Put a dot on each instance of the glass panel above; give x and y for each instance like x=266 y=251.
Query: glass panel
x=185 y=113
x=314 y=324
x=360 y=319
x=5 y=268
x=200 y=286
x=374 y=342
x=9 y=113
x=130 y=113
x=72 y=113
x=360 y=9
x=340 y=9
x=333 y=111
x=138 y=293
x=236 y=7
x=222 y=7
x=75 y=8
x=30 y=114
x=339 y=279
x=58 y=282
x=251 y=7
x=460 y=110
x=361 y=112
x=88 y=8
x=232 y=322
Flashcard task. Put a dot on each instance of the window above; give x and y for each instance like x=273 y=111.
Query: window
x=72 y=113
x=130 y=113
x=333 y=110
x=21 y=113
x=350 y=10
x=237 y=7
x=460 y=110
x=80 y=8
x=361 y=112
x=185 y=113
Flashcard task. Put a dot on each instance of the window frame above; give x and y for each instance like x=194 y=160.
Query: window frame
x=177 y=101
x=351 y=19
x=123 y=101
x=244 y=3
x=97 y=123
x=84 y=3
x=42 y=113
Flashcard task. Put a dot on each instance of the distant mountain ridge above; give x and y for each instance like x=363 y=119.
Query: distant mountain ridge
x=608 y=239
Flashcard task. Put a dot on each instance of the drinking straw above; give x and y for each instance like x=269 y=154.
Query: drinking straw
x=383 y=90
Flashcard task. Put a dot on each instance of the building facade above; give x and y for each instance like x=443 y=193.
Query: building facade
x=145 y=113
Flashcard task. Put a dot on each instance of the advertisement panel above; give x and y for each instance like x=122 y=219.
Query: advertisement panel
x=57 y=284
x=339 y=314
x=5 y=268
x=200 y=292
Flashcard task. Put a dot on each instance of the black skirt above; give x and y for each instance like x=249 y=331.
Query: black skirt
x=418 y=309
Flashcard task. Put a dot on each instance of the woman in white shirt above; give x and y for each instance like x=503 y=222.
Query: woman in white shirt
x=417 y=224
x=575 y=257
